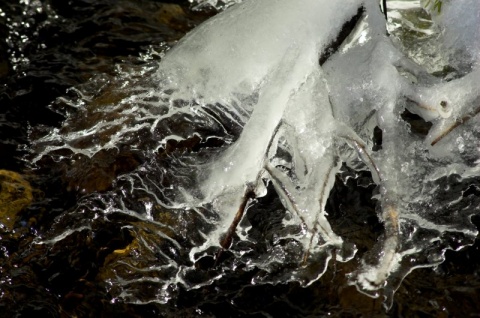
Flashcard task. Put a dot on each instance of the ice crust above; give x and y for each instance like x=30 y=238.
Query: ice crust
x=252 y=75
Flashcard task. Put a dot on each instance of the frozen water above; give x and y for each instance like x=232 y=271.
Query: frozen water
x=291 y=104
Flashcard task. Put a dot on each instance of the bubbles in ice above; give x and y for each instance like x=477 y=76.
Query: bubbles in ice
x=276 y=96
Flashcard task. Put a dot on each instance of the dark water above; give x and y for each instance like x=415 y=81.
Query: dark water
x=48 y=47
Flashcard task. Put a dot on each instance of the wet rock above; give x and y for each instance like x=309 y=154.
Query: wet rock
x=96 y=174
x=171 y=15
x=15 y=195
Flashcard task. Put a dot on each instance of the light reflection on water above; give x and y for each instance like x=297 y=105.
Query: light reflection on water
x=120 y=170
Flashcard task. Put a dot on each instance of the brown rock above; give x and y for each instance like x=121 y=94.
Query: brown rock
x=15 y=195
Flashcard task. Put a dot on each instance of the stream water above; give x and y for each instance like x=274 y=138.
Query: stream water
x=89 y=224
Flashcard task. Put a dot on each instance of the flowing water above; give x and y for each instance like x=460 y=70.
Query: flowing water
x=91 y=220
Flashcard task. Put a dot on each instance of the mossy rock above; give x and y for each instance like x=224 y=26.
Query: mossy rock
x=15 y=195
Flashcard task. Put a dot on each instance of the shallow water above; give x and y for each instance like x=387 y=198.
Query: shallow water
x=60 y=60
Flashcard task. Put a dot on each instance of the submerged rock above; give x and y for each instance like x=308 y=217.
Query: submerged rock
x=15 y=195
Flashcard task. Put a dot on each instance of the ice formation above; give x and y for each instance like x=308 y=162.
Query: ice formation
x=314 y=109
x=296 y=97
